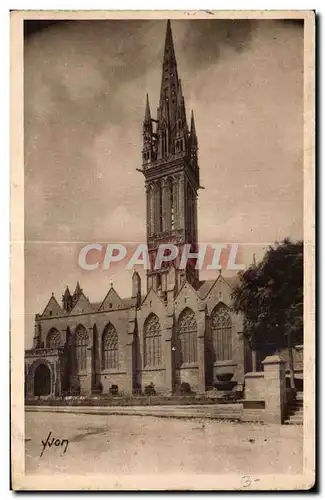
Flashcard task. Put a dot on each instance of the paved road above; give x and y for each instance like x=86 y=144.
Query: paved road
x=112 y=444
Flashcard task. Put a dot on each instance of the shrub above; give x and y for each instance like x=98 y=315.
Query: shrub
x=150 y=390
x=185 y=388
x=113 y=390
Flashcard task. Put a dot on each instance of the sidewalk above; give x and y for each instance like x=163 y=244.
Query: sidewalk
x=231 y=411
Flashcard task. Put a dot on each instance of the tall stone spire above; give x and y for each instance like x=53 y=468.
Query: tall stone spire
x=148 y=140
x=169 y=81
x=170 y=168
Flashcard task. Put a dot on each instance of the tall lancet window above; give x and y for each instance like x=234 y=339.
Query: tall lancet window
x=187 y=332
x=160 y=202
x=109 y=348
x=164 y=142
x=152 y=341
x=82 y=340
x=150 y=209
x=221 y=332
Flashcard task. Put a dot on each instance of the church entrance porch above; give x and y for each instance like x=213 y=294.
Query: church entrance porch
x=43 y=372
x=42 y=381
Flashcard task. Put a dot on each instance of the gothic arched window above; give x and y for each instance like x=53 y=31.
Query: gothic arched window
x=172 y=203
x=109 y=348
x=164 y=141
x=150 y=209
x=221 y=332
x=187 y=331
x=53 y=339
x=152 y=341
x=82 y=340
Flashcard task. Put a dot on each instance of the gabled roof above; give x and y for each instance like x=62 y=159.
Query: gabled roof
x=155 y=294
x=52 y=308
x=206 y=286
x=82 y=305
x=186 y=283
x=112 y=301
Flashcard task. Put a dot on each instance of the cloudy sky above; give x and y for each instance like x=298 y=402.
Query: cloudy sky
x=85 y=87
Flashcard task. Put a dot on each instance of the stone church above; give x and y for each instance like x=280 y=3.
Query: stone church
x=182 y=329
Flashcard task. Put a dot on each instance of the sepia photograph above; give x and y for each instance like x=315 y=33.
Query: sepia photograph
x=162 y=249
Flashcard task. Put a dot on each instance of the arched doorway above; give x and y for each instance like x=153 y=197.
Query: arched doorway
x=42 y=380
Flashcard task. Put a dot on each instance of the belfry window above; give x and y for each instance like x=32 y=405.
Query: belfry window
x=164 y=148
x=172 y=204
x=160 y=209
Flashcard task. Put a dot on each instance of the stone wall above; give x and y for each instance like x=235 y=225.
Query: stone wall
x=265 y=393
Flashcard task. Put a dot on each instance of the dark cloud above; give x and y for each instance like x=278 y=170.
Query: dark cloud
x=205 y=38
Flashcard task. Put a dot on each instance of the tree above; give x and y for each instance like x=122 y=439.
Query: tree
x=270 y=297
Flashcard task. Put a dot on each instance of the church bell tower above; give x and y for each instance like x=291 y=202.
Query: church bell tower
x=171 y=171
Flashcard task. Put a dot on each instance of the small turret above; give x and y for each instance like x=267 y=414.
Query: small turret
x=76 y=294
x=67 y=300
x=136 y=288
x=37 y=332
x=147 y=151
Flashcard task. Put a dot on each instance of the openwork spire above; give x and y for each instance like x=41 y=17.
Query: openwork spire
x=169 y=81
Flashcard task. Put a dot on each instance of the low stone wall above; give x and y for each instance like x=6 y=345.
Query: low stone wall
x=265 y=392
x=254 y=401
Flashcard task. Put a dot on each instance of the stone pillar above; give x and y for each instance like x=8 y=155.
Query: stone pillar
x=151 y=209
x=201 y=324
x=58 y=376
x=275 y=389
x=157 y=196
x=129 y=352
x=168 y=355
x=128 y=364
x=85 y=378
x=254 y=364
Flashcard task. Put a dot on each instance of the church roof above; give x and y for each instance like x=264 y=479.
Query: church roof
x=205 y=286
x=129 y=302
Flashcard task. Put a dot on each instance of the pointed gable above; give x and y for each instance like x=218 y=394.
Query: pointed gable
x=187 y=294
x=112 y=301
x=82 y=306
x=152 y=299
x=52 y=309
x=219 y=292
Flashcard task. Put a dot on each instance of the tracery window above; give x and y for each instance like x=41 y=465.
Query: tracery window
x=221 y=326
x=172 y=203
x=53 y=339
x=82 y=340
x=152 y=341
x=109 y=348
x=187 y=331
